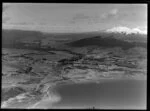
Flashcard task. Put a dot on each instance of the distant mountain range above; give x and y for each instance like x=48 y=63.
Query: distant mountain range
x=20 y=38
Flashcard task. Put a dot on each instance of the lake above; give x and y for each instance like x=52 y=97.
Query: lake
x=116 y=94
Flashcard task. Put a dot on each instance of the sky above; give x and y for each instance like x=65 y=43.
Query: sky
x=73 y=17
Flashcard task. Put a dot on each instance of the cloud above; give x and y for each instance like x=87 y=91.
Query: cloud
x=80 y=17
x=95 y=18
x=6 y=6
x=38 y=27
x=22 y=23
x=85 y=18
x=111 y=14
x=5 y=19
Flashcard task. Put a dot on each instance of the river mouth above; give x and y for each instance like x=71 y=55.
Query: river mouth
x=113 y=94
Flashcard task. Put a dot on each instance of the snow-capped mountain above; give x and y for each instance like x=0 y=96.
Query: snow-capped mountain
x=127 y=30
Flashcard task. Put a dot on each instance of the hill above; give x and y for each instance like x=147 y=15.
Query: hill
x=105 y=42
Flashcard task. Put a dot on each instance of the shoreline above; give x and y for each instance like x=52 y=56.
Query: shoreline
x=52 y=95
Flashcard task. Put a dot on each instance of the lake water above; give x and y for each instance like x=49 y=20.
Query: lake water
x=117 y=94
